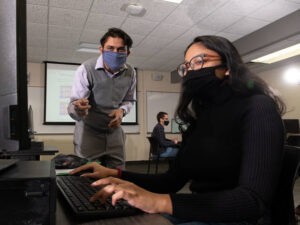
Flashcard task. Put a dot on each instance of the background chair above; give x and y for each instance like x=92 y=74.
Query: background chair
x=154 y=154
x=283 y=206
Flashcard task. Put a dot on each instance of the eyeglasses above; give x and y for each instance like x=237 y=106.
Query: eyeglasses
x=196 y=63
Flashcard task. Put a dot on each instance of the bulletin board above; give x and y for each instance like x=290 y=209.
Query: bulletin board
x=160 y=101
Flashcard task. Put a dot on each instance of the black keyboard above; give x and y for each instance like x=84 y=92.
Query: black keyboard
x=78 y=190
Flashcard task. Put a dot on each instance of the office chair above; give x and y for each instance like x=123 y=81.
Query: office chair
x=154 y=154
x=283 y=212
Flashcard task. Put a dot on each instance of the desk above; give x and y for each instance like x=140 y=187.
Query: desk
x=64 y=216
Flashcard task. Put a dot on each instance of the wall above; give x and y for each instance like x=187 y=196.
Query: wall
x=137 y=146
x=290 y=93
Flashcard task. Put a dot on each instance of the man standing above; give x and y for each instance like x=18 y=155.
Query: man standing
x=167 y=148
x=103 y=92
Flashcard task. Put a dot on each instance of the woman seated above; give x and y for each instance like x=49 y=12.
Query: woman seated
x=231 y=151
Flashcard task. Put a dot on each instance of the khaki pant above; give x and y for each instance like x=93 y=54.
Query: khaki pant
x=108 y=147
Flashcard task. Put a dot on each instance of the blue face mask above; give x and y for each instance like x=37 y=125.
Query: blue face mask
x=114 y=60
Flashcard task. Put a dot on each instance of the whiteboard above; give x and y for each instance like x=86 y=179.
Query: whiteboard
x=36 y=100
x=160 y=101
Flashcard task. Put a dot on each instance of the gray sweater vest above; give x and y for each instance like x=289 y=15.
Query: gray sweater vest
x=106 y=94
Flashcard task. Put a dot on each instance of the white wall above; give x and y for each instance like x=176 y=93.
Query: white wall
x=290 y=93
x=137 y=146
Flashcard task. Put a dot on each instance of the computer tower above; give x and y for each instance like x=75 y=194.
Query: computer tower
x=28 y=193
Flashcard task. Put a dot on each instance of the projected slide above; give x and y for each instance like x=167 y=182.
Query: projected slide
x=58 y=82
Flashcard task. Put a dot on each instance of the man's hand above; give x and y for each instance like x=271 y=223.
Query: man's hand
x=82 y=107
x=98 y=171
x=175 y=140
x=118 y=116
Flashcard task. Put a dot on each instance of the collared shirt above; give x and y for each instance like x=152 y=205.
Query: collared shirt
x=80 y=87
x=159 y=133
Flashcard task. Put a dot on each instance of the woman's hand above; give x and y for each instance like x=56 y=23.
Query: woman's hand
x=136 y=196
x=98 y=171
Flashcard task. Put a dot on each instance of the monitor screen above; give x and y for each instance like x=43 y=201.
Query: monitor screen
x=175 y=127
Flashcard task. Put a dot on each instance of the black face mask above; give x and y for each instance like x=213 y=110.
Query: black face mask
x=202 y=83
x=166 y=123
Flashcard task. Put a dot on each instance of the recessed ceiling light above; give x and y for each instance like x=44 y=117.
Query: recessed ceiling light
x=87 y=47
x=279 y=55
x=175 y=1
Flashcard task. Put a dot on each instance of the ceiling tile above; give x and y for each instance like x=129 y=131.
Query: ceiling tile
x=35 y=51
x=197 y=30
x=138 y=26
x=136 y=61
x=243 y=8
x=178 y=45
x=80 y=57
x=168 y=55
x=157 y=43
x=102 y=21
x=168 y=31
x=37 y=30
x=67 y=17
x=143 y=52
x=136 y=39
x=37 y=14
x=197 y=10
x=180 y=16
x=275 y=10
x=60 y=54
x=34 y=41
x=37 y=2
x=156 y=10
x=111 y=7
x=63 y=32
x=74 y=4
x=62 y=43
x=220 y=19
x=230 y=36
x=294 y=1
x=245 y=26
x=91 y=36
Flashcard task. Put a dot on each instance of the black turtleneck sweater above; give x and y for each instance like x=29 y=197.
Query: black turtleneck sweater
x=232 y=156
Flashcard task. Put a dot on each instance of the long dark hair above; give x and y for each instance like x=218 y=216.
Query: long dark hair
x=241 y=79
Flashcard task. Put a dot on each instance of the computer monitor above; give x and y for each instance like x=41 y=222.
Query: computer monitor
x=13 y=77
x=175 y=126
x=291 y=125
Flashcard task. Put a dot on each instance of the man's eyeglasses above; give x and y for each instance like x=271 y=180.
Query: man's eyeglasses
x=196 y=63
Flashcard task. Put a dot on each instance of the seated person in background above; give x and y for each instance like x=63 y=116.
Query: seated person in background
x=231 y=152
x=167 y=147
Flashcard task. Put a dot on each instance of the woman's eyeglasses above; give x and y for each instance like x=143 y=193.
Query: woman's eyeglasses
x=195 y=63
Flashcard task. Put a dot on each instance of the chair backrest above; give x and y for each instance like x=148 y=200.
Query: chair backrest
x=154 y=146
x=283 y=206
